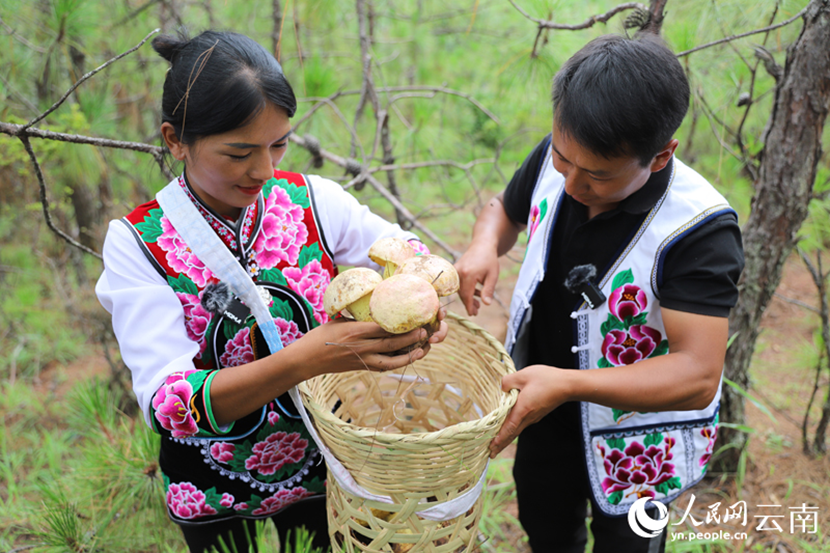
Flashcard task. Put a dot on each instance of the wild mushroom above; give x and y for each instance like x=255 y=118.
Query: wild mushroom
x=434 y=269
x=350 y=291
x=405 y=302
x=389 y=253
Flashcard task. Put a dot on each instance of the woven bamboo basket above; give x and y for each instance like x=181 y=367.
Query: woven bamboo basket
x=418 y=435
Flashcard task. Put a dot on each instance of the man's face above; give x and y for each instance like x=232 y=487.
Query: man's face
x=598 y=182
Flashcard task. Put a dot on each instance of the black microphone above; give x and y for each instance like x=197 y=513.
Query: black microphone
x=580 y=281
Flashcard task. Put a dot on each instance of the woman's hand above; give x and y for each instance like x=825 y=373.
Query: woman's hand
x=443 y=329
x=343 y=345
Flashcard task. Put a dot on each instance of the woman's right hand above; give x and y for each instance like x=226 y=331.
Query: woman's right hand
x=344 y=345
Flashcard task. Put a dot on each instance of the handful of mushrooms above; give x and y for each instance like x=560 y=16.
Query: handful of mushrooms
x=405 y=298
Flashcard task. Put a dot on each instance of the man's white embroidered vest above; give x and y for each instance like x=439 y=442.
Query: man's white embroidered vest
x=629 y=455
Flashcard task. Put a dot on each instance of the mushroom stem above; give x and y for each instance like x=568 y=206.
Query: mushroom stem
x=360 y=309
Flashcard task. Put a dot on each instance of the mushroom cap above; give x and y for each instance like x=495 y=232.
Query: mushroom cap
x=402 y=303
x=348 y=287
x=391 y=249
x=434 y=269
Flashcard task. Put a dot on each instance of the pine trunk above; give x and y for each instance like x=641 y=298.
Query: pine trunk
x=782 y=194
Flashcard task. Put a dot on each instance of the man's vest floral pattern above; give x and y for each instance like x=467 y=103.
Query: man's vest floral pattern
x=628 y=455
x=265 y=461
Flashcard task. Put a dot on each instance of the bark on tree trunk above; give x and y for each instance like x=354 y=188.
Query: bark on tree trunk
x=276 y=29
x=782 y=193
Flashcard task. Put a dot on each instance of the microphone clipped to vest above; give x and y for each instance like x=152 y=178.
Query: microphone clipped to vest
x=580 y=281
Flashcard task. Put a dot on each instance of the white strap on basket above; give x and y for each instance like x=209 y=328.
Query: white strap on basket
x=209 y=248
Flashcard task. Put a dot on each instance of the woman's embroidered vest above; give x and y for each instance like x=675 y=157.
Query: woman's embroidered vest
x=267 y=460
x=629 y=455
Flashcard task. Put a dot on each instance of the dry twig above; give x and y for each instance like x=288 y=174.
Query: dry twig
x=45 y=201
x=590 y=22
x=742 y=35
x=78 y=83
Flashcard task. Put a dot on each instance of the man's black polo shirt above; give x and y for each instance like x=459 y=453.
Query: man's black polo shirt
x=700 y=274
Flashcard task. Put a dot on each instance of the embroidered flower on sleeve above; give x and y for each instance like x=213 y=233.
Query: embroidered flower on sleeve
x=419 y=247
x=627 y=301
x=281 y=499
x=179 y=256
x=188 y=502
x=226 y=501
x=196 y=319
x=238 y=351
x=277 y=450
x=172 y=405
x=310 y=282
x=283 y=231
x=621 y=347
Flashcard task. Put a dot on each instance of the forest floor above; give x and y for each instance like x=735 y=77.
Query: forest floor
x=779 y=480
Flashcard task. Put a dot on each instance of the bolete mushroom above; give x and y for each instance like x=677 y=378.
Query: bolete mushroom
x=350 y=291
x=389 y=253
x=434 y=269
x=405 y=302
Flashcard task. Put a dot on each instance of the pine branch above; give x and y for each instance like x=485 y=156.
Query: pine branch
x=45 y=201
x=80 y=81
x=590 y=22
x=742 y=35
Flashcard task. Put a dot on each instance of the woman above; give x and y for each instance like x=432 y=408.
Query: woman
x=234 y=448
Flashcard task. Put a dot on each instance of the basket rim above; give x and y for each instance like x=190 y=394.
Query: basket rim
x=481 y=424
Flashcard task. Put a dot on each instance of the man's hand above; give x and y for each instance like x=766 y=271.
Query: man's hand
x=493 y=235
x=478 y=265
x=541 y=390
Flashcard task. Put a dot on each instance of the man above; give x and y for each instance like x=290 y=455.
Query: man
x=631 y=268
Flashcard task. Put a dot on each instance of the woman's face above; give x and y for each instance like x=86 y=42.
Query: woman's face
x=228 y=170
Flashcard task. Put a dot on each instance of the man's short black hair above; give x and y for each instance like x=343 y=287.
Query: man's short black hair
x=621 y=97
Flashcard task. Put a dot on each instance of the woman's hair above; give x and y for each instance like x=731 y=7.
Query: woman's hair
x=621 y=97
x=217 y=82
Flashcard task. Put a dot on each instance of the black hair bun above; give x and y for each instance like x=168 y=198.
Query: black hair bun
x=168 y=46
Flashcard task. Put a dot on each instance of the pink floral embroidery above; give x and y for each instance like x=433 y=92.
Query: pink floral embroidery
x=172 y=405
x=275 y=451
x=289 y=331
x=282 y=233
x=711 y=434
x=238 y=351
x=627 y=301
x=240 y=506
x=419 y=247
x=196 y=319
x=624 y=348
x=534 y=221
x=310 y=282
x=226 y=501
x=281 y=499
x=273 y=418
x=222 y=451
x=179 y=256
x=638 y=467
x=188 y=502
